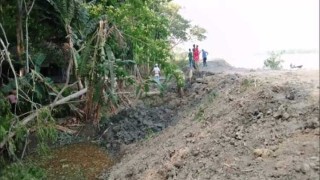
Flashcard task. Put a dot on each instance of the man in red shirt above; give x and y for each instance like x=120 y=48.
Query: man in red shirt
x=196 y=54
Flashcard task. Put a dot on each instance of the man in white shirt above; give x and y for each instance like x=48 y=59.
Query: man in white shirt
x=156 y=71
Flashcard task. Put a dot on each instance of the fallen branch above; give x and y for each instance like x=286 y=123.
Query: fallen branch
x=10 y=63
x=68 y=98
x=66 y=130
x=200 y=80
x=29 y=118
x=151 y=93
x=75 y=125
x=72 y=107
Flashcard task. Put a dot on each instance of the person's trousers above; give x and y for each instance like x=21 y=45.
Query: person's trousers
x=157 y=79
x=190 y=63
x=204 y=61
x=13 y=107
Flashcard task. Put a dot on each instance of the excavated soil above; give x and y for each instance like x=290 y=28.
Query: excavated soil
x=229 y=125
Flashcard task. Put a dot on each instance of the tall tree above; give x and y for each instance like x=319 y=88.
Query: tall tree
x=19 y=33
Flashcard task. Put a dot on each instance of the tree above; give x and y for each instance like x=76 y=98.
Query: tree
x=103 y=40
x=274 y=61
x=181 y=30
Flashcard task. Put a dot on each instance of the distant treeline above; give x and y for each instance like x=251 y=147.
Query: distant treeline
x=298 y=51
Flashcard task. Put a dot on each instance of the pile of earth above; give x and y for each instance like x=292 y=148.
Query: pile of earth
x=228 y=126
x=149 y=116
x=136 y=123
x=218 y=65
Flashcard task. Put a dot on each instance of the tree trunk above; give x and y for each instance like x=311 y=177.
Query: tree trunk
x=19 y=34
x=93 y=105
x=27 y=34
x=180 y=92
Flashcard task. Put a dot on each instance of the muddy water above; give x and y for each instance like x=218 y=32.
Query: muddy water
x=76 y=161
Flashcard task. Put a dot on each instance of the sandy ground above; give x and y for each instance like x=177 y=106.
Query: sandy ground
x=232 y=124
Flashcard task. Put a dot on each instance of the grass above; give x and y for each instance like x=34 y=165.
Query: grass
x=200 y=114
x=212 y=96
x=245 y=84
x=150 y=134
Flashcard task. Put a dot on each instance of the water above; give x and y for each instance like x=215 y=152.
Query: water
x=308 y=60
x=75 y=161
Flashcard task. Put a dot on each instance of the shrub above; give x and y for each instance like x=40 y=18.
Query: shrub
x=274 y=61
x=22 y=171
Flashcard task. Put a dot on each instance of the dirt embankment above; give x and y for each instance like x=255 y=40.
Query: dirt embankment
x=237 y=124
x=257 y=125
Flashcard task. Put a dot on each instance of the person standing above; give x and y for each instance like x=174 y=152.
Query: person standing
x=12 y=97
x=156 y=71
x=190 y=55
x=196 y=56
x=193 y=56
x=193 y=51
x=204 y=57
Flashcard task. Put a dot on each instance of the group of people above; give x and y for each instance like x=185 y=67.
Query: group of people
x=194 y=57
x=194 y=60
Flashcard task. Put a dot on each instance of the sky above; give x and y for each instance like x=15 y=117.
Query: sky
x=240 y=31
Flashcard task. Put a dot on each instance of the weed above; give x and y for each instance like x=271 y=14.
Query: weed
x=149 y=134
x=65 y=139
x=20 y=170
x=212 y=96
x=199 y=115
x=245 y=84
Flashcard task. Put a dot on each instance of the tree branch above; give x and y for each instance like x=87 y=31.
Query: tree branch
x=29 y=118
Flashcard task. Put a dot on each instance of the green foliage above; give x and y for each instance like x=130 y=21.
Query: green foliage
x=245 y=84
x=180 y=29
x=274 y=61
x=5 y=116
x=44 y=125
x=46 y=130
x=65 y=9
x=178 y=25
x=21 y=171
x=180 y=56
x=180 y=78
x=38 y=60
x=149 y=134
x=198 y=33
x=171 y=70
x=200 y=114
x=213 y=94
x=65 y=138
x=32 y=88
x=139 y=30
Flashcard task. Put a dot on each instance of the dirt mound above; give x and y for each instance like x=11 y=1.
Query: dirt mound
x=234 y=126
x=218 y=65
x=221 y=63
x=141 y=122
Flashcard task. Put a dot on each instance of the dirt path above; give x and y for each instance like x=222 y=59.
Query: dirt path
x=233 y=125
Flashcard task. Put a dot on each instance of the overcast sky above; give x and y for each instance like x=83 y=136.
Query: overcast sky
x=239 y=29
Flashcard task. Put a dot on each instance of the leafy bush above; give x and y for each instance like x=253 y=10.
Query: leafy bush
x=172 y=70
x=22 y=172
x=274 y=61
x=5 y=116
